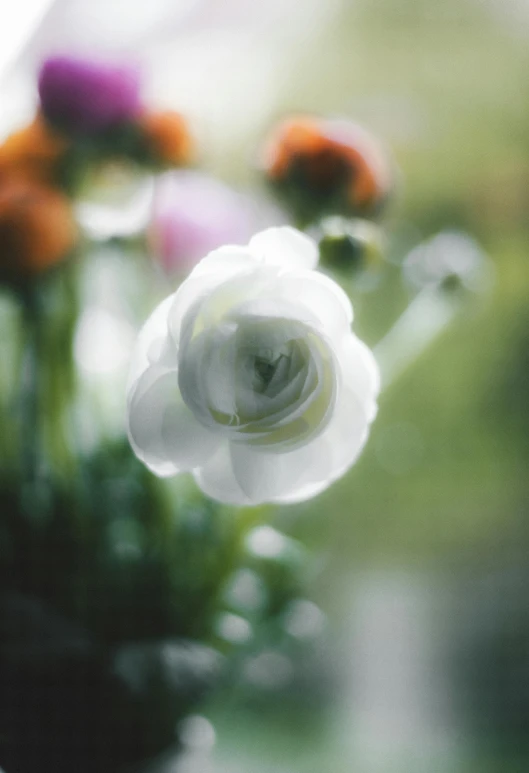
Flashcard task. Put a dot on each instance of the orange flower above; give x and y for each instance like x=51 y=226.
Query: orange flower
x=168 y=139
x=294 y=137
x=37 y=228
x=334 y=166
x=32 y=153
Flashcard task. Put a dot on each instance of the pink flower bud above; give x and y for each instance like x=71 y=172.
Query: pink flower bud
x=84 y=96
x=194 y=214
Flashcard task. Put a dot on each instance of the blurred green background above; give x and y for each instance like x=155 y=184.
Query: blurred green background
x=442 y=487
x=420 y=555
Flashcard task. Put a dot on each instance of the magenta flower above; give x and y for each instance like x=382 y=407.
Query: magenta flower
x=85 y=96
x=194 y=214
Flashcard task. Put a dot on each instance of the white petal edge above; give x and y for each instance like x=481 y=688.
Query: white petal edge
x=226 y=261
x=285 y=247
x=217 y=480
x=162 y=430
x=297 y=475
x=155 y=329
x=218 y=268
x=323 y=297
x=268 y=477
x=360 y=373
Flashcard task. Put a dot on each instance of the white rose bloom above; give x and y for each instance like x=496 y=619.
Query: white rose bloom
x=250 y=377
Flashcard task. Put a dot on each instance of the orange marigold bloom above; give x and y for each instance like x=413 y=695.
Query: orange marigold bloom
x=328 y=166
x=168 y=139
x=37 y=228
x=294 y=137
x=33 y=153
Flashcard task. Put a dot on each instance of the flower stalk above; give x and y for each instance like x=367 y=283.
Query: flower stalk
x=47 y=380
x=29 y=387
x=427 y=316
x=446 y=270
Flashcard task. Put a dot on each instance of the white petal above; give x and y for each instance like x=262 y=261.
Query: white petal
x=187 y=297
x=216 y=479
x=346 y=434
x=267 y=477
x=162 y=430
x=269 y=304
x=330 y=454
x=151 y=336
x=207 y=373
x=302 y=494
x=213 y=288
x=285 y=247
x=304 y=296
x=187 y=442
x=244 y=288
x=360 y=372
x=300 y=474
x=225 y=261
x=322 y=297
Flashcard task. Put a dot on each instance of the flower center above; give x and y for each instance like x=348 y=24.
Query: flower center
x=266 y=381
x=265 y=369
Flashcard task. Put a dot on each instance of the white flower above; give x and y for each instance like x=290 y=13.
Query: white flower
x=250 y=377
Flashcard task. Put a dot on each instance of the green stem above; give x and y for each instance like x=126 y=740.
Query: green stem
x=58 y=377
x=30 y=385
